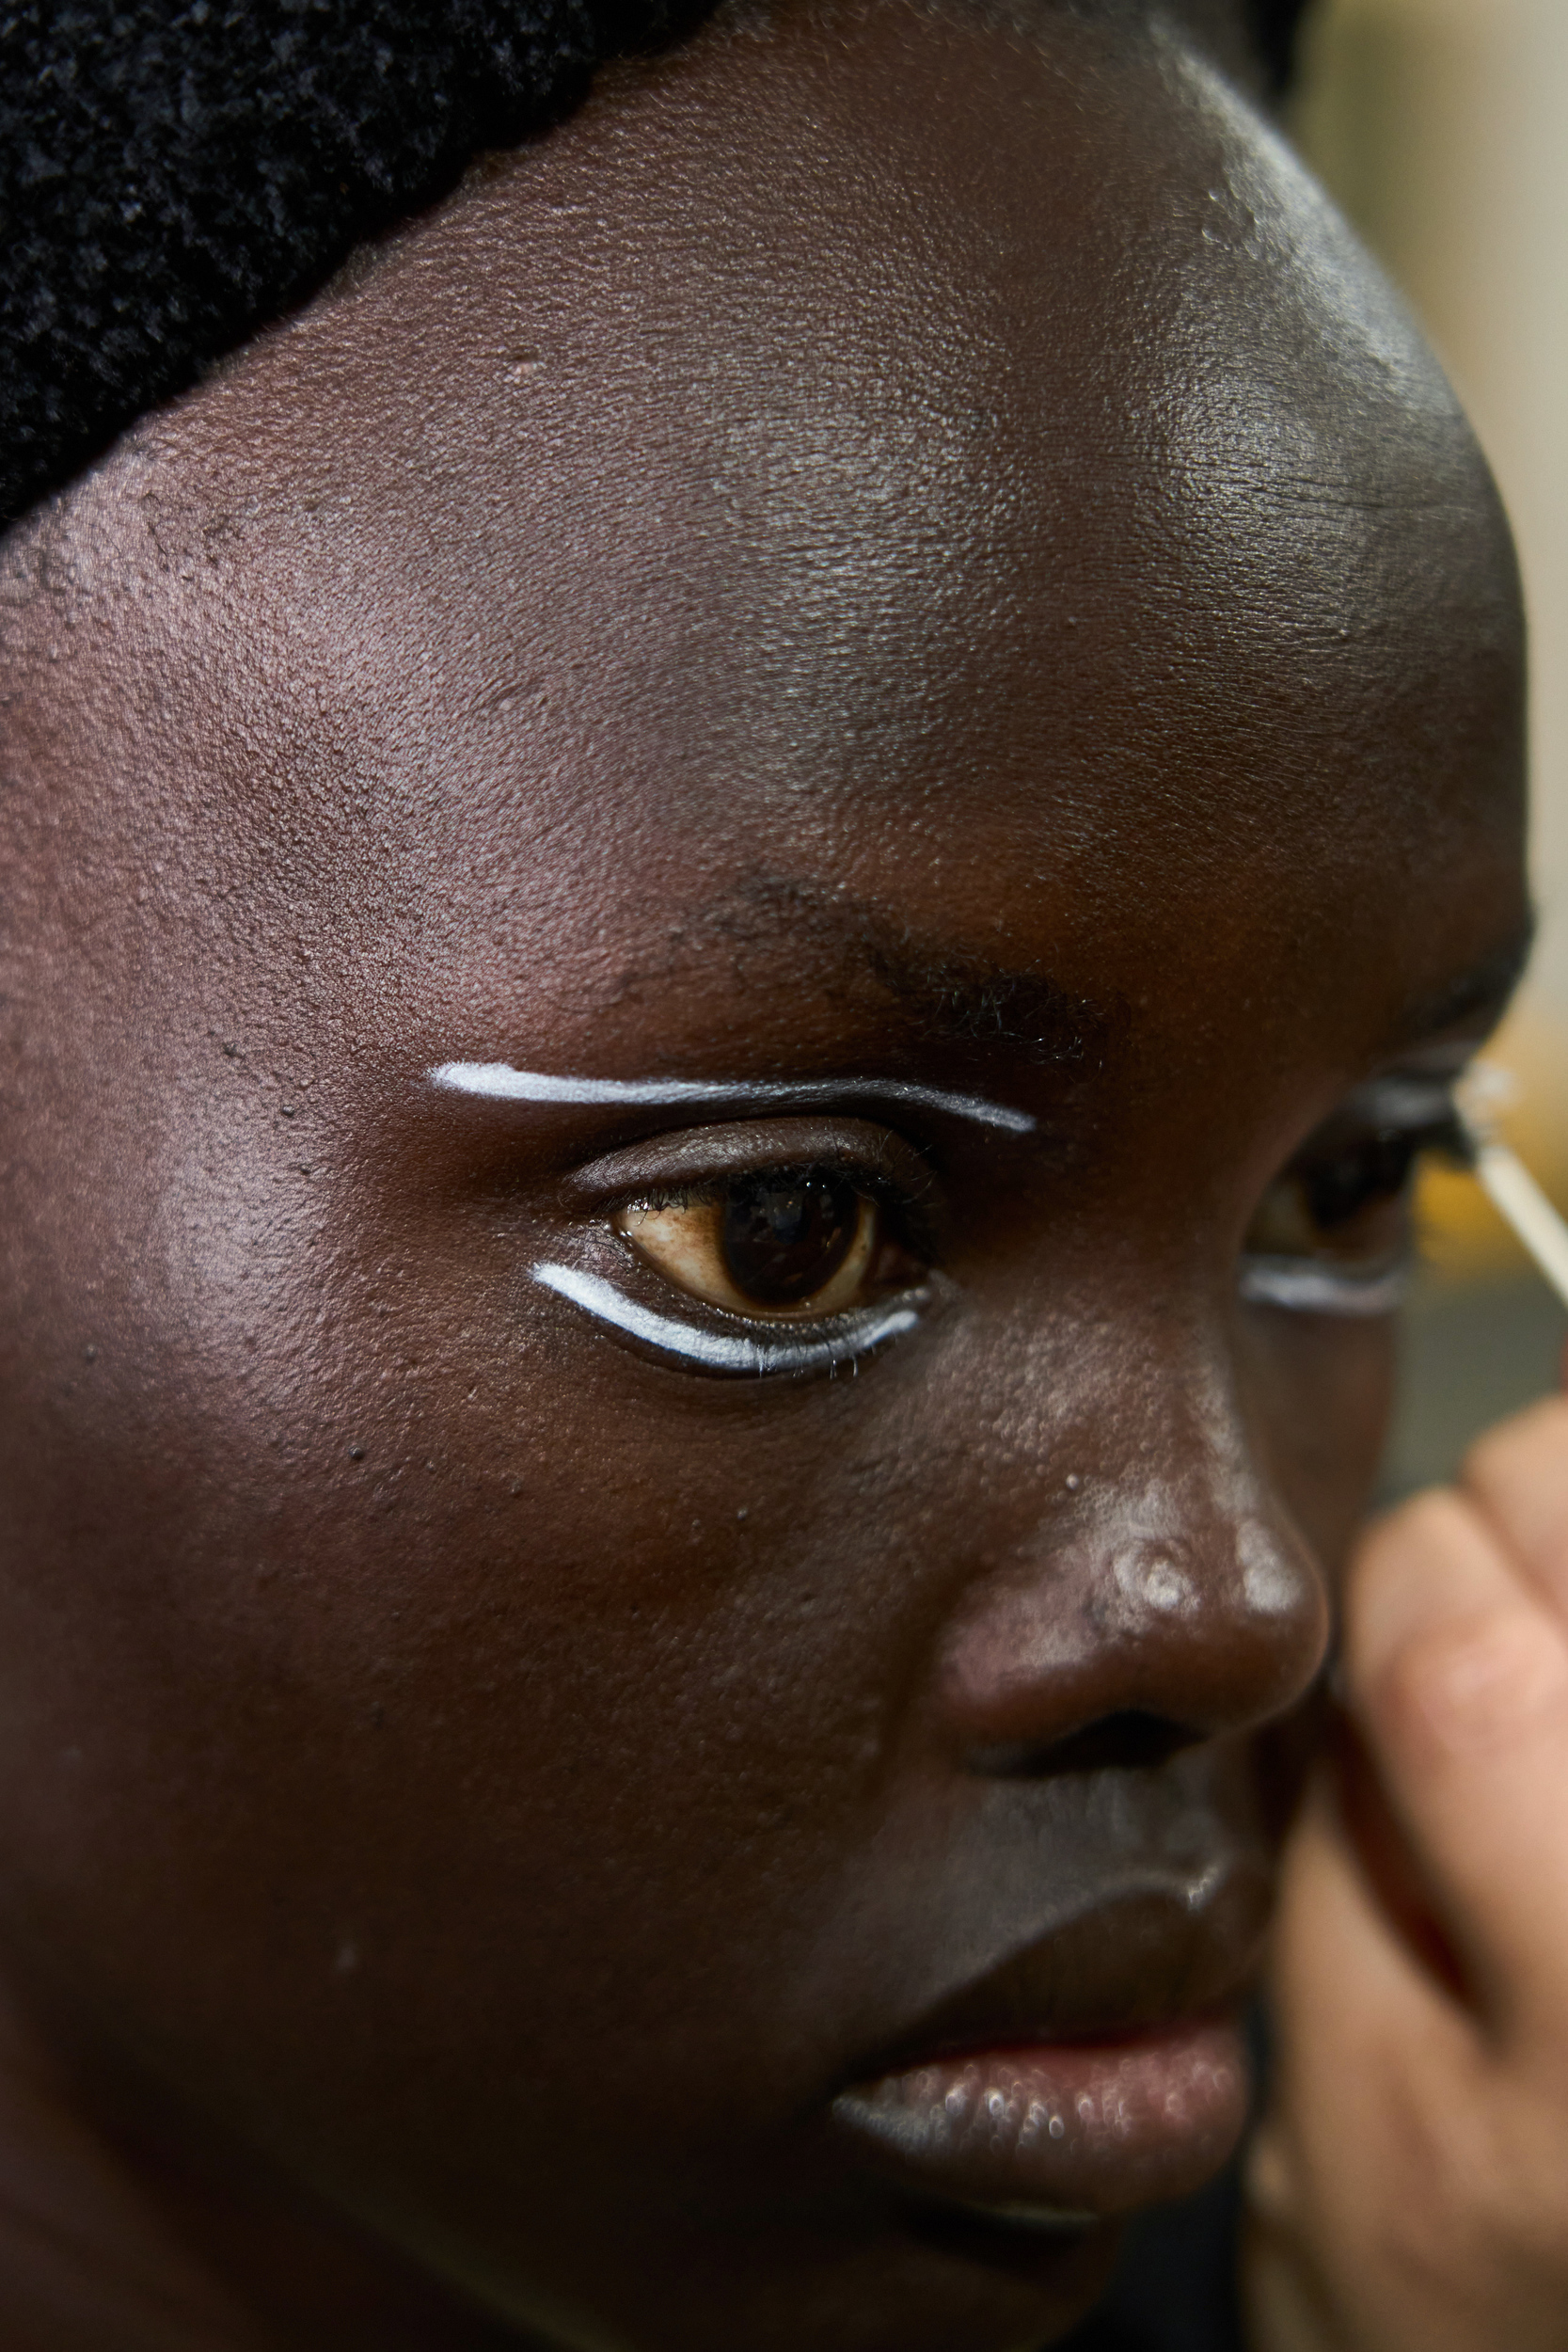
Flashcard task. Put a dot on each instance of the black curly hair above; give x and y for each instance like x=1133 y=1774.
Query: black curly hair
x=175 y=172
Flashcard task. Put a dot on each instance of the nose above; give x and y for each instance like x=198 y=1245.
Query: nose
x=1149 y=1576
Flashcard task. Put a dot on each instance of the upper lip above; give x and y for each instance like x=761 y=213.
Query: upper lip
x=1162 y=1948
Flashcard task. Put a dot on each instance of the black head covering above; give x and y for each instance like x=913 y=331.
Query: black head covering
x=173 y=173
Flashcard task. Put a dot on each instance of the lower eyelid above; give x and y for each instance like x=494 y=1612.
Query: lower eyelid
x=1304 y=1288
x=723 y=1351
x=1293 y=1284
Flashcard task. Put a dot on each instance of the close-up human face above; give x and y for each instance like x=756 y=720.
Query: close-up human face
x=746 y=886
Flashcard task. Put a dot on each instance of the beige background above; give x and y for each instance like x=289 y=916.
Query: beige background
x=1442 y=128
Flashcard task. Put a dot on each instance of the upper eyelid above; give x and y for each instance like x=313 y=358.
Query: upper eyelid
x=1406 y=1098
x=1411 y=1103
x=701 y=1193
x=704 y=1156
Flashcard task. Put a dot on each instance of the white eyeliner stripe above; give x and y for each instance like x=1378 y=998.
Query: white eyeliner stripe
x=501 y=1083
x=601 y=1298
x=1306 y=1289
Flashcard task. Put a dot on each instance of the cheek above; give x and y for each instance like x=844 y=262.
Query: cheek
x=407 y=1593
x=1320 y=1391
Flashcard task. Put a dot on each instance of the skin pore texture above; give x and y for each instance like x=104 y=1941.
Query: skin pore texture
x=897 y=550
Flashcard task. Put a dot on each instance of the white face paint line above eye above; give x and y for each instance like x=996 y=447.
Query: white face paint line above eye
x=722 y=1351
x=1304 y=1288
x=498 y=1082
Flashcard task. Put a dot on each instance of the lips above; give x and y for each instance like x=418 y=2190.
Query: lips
x=1066 y=2133
x=1099 y=2069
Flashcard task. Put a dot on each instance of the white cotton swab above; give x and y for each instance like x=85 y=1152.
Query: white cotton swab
x=1508 y=1182
x=1513 y=1191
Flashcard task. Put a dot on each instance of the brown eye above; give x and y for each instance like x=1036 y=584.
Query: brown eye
x=784 y=1237
x=785 y=1242
x=1349 y=1203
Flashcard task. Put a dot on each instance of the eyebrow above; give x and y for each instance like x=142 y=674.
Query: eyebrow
x=938 y=989
x=496 y=1081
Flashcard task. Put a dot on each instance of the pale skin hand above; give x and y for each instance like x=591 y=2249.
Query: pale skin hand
x=1409 y=2192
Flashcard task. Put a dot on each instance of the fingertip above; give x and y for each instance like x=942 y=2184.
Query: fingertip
x=1460 y=1685
x=1516 y=1475
x=1425 y=1558
x=1538 y=1430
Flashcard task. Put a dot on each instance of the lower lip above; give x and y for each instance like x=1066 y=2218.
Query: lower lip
x=1064 y=2133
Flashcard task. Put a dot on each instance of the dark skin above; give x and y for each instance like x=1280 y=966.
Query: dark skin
x=886 y=548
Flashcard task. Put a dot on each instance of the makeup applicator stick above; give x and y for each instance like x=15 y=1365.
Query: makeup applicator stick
x=1514 y=1193
x=1502 y=1174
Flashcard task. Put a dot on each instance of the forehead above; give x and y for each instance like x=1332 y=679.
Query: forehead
x=965 y=471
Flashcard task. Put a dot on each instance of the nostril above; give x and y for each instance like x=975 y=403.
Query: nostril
x=1130 y=1740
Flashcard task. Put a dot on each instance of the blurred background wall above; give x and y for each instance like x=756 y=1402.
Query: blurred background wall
x=1441 y=126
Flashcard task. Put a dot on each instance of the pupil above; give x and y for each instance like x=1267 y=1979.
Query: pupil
x=784 y=1235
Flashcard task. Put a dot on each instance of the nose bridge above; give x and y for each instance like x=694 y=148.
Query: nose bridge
x=1162 y=1578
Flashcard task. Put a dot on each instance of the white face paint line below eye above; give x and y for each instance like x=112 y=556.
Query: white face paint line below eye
x=721 y=1351
x=1297 y=1284
x=496 y=1081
